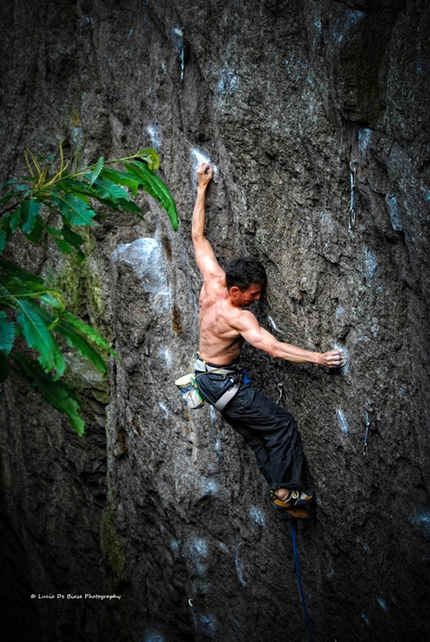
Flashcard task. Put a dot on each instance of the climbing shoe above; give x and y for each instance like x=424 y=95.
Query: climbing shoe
x=295 y=513
x=295 y=499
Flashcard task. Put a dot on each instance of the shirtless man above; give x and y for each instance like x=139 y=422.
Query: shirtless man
x=225 y=324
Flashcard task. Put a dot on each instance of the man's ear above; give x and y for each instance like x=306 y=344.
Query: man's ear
x=234 y=290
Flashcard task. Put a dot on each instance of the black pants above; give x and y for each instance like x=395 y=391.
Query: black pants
x=267 y=428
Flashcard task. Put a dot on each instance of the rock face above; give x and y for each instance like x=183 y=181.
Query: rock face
x=315 y=113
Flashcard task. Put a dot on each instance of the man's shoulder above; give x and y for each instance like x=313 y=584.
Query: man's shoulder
x=216 y=278
x=242 y=319
x=215 y=284
x=208 y=265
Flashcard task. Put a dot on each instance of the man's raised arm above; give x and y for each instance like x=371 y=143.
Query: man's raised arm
x=205 y=257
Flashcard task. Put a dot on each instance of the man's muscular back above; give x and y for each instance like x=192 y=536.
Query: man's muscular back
x=220 y=342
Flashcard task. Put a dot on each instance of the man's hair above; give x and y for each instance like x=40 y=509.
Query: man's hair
x=245 y=271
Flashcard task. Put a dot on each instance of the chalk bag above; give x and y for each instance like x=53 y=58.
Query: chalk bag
x=189 y=392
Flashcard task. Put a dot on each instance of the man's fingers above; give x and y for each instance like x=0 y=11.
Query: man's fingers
x=336 y=359
x=204 y=168
x=340 y=358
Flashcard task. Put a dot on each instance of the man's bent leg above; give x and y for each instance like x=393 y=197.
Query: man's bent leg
x=269 y=430
x=251 y=413
x=258 y=447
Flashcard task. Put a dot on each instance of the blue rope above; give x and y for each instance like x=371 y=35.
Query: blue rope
x=299 y=581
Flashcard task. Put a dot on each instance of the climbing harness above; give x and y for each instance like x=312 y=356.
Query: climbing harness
x=227 y=396
x=190 y=392
x=202 y=367
x=353 y=166
x=299 y=581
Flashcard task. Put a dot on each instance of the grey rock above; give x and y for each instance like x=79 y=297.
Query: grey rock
x=165 y=508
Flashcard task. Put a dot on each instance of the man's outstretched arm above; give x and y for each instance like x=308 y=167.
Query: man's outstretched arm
x=205 y=257
x=258 y=337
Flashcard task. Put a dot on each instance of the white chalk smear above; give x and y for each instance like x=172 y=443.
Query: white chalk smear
x=199 y=157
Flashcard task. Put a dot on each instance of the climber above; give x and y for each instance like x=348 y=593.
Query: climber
x=225 y=324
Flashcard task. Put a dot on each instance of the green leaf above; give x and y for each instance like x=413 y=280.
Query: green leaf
x=75 y=331
x=29 y=209
x=66 y=238
x=76 y=211
x=12 y=181
x=130 y=206
x=80 y=188
x=63 y=246
x=53 y=231
x=3 y=240
x=53 y=299
x=36 y=233
x=150 y=157
x=11 y=269
x=57 y=393
x=107 y=190
x=156 y=188
x=39 y=337
x=121 y=178
x=97 y=169
x=77 y=341
x=7 y=333
x=20 y=192
x=73 y=238
x=14 y=289
x=14 y=220
x=17 y=286
x=87 y=330
x=4 y=367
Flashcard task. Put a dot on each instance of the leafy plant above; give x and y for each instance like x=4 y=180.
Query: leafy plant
x=31 y=310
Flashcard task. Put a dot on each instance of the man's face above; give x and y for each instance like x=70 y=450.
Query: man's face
x=244 y=298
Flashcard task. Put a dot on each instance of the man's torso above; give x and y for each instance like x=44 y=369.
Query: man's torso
x=220 y=342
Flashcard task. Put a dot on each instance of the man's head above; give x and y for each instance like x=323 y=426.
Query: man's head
x=246 y=280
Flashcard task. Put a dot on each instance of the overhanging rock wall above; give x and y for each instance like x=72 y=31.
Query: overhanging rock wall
x=296 y=102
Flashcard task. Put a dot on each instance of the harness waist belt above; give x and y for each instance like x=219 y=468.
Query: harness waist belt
x=201 y=367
